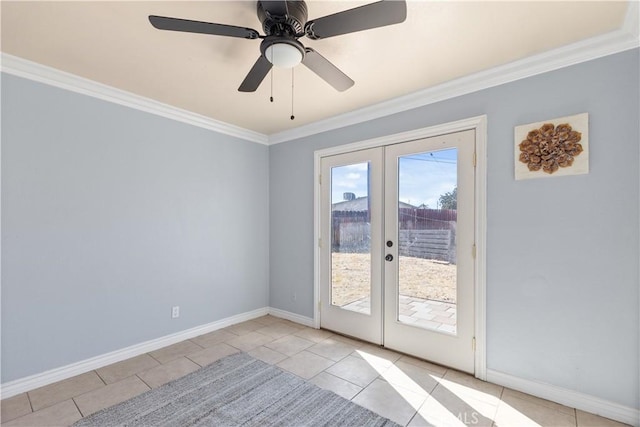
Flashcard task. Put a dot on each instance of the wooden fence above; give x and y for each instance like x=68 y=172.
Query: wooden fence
x=426 y=219
x=429 y=244
x=354 y=237
x=350 y=231
x=424 y=233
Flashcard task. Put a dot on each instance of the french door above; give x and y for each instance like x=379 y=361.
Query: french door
x=396 y=259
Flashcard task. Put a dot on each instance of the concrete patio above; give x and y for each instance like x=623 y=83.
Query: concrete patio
x=429 y=314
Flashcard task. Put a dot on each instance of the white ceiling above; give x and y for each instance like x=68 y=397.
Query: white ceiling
x=113 y=43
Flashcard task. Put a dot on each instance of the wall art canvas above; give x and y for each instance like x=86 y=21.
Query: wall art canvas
x=556 y=147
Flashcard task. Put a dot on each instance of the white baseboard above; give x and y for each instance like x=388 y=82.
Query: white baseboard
x=303 y=320
x=573 y=399
x=32 y=382
x=561 y=395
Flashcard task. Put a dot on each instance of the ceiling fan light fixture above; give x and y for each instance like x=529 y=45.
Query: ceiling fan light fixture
x=283 y=55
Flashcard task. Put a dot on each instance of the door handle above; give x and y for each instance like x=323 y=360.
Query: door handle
x=389 y=257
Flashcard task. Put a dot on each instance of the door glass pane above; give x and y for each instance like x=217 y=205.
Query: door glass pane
x=427 y=212
x=351 y=238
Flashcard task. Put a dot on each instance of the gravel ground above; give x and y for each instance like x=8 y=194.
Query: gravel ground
x=419 y=278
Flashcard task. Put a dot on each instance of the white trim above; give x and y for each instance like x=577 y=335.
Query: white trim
x=575 y=53
x=317 y=206
x=632 y=20
x=479 y=124
x=481 y=249
x=22 y=385
x=412 y=135
x=297 y=318
x=40 y=73
x=573 y=399
x=585 y=50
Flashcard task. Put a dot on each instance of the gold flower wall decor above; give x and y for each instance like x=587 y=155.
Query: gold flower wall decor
x=546 y=148
x=550 y=148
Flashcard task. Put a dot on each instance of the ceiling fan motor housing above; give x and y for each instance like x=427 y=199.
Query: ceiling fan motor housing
x=287 y=25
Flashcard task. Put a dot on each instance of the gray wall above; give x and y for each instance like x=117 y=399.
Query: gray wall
x=562 y=253
x=110 y=216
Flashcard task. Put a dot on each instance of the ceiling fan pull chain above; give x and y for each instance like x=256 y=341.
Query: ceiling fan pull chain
x=271 y=97
x=292 y=116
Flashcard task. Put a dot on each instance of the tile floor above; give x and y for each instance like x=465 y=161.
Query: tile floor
x=407 y=390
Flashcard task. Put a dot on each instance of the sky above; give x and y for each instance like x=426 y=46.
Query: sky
x=423 y=178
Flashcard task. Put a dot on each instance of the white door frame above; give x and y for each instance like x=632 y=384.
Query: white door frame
x=479 y=124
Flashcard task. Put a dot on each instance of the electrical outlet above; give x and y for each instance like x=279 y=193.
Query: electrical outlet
x=175 y=312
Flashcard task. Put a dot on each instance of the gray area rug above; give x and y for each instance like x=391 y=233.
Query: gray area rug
x=237 y=391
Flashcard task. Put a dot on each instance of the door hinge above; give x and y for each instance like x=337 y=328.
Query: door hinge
x=319 y=305
x=320 y=179
x=475 y=159
x=473 y=343
x=473 y=250
x=319 y=243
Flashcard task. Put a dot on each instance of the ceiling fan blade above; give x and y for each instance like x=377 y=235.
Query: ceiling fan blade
x=374 y=15
x=188 y=26
x=275 y=8
x=257 y=73
x=326 y=70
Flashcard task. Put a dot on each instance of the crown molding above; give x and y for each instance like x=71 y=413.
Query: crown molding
x=586 y=50
x=51 y=76
x=631 y=23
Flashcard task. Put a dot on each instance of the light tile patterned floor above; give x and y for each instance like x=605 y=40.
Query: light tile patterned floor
x=407 y=390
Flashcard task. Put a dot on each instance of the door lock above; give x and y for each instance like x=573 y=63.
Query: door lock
x=389 y=257
x=389 y=243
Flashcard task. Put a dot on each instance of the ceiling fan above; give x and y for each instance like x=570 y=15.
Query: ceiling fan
x=283 y=23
